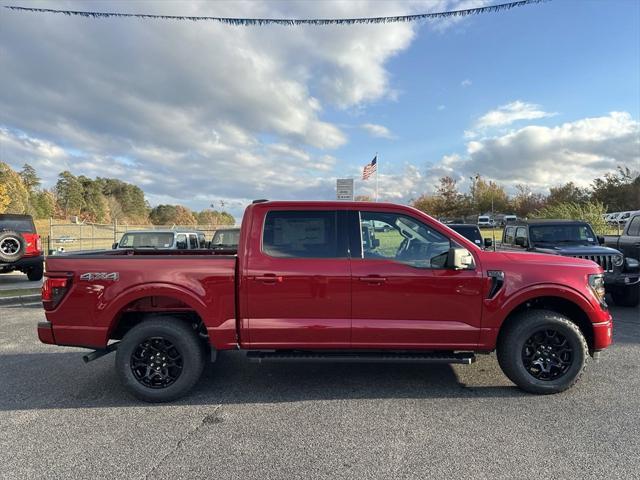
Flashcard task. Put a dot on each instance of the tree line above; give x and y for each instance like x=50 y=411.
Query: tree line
x=614 y=192
x=95 y=200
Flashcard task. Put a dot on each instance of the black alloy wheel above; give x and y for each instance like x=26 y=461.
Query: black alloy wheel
x=156 y=363
x=547 y=355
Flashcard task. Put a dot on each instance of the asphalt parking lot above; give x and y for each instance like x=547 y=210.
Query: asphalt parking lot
x=17 y=280
x=61 y=418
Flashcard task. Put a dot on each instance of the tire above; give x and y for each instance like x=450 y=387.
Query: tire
x=519 y=344
x=12 y=246
x=35 y=274
x=627 y=297
x=155 y=333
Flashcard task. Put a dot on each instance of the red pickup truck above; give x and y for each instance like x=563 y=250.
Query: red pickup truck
x=316 y=281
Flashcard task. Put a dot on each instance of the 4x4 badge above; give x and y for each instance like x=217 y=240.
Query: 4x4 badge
x=89 y=276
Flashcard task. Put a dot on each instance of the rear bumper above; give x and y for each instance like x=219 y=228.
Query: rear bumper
x=45 y=333
x=25 y=263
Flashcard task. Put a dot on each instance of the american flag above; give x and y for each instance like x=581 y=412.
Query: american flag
x=370 y=168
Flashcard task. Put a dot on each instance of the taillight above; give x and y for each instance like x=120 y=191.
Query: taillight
x=53 y=289
x=38 y=243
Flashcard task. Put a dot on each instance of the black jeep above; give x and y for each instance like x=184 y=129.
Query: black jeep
x=573 y=238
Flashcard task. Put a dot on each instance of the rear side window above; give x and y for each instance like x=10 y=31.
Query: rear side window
x=193 y=241
x=521 y=232
x=509 y=234
x=301 y=234
x=634 y=227
x=17 y=223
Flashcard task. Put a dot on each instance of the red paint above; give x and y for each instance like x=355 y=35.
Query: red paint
x=256 y=301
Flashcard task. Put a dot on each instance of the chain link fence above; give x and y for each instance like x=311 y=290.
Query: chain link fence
x=94 y=236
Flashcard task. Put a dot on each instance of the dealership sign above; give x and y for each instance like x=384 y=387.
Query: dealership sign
x=344 y=189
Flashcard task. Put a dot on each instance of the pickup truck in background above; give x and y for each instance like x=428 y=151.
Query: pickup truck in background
x=304 y=286
x=162 y=239
x=573 y=238
x=629 y=242
x=471 y=232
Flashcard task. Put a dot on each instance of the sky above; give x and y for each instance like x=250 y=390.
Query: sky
x=202 y=113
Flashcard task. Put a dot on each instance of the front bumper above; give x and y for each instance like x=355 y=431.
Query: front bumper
x=25 y=263
x=45 y=333
x=603 y=334
x=614 y=280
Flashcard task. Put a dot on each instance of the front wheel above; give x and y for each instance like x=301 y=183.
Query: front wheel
x=542 y=352
x=627 y=297
x=160 y=359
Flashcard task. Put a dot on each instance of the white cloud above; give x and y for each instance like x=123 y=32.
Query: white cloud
x=506 y=115
x=379 y=131
x=466 y=83
x=196 y=109
x=546 y=156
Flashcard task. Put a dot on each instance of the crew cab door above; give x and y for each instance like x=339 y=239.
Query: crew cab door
x=297 y=280
x=629 y=244
x=404 y=296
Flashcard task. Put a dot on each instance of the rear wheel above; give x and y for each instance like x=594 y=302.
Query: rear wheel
x=627 y=297
x=160 y=359
x=542 y=352
x=12 y=246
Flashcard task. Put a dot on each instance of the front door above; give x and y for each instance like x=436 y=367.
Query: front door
x=404 y=296
x=298 y=281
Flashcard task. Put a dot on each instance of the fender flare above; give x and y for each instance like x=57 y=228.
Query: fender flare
x=111 y=309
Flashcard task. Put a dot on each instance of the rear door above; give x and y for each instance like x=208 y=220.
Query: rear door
x=404 y=297
x=297 y=280
x=630 y=244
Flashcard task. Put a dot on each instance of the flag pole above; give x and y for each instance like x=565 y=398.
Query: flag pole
x=377 y=170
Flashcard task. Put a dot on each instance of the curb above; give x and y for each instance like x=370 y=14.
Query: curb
x=22 y=300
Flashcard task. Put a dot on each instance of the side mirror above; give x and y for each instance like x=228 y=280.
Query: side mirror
x=114 y=246
x=460 y=259
x=600 y=239
x=488 y=242
x=522 y=242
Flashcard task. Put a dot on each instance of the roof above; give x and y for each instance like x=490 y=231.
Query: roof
x=165 y=230
x=549 y=221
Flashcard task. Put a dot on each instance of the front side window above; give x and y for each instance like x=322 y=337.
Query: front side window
x=403 y=239
x=521 y=232
x=193 y=241
x=301 y=234
x=634 y=227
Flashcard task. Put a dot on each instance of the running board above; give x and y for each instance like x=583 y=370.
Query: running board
x=465 y=358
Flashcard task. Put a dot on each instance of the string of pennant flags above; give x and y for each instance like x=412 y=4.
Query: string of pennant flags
x=287 y=21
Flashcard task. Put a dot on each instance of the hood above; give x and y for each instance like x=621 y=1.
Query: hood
x=572 y=250
x=541 y=259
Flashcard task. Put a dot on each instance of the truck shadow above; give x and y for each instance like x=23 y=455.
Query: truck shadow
x=62 y=380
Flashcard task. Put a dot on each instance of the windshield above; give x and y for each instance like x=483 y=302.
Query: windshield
x=576 y=233
x=470 y=232
x=226 y=237
x=147 y=239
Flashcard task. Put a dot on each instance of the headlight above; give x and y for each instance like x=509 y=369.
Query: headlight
x=618 y=260
x=596 y=283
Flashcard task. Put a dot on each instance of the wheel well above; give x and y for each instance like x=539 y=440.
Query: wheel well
x=555 y=304
x=156 y=307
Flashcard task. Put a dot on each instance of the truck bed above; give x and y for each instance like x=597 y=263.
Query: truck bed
x=108 y=285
